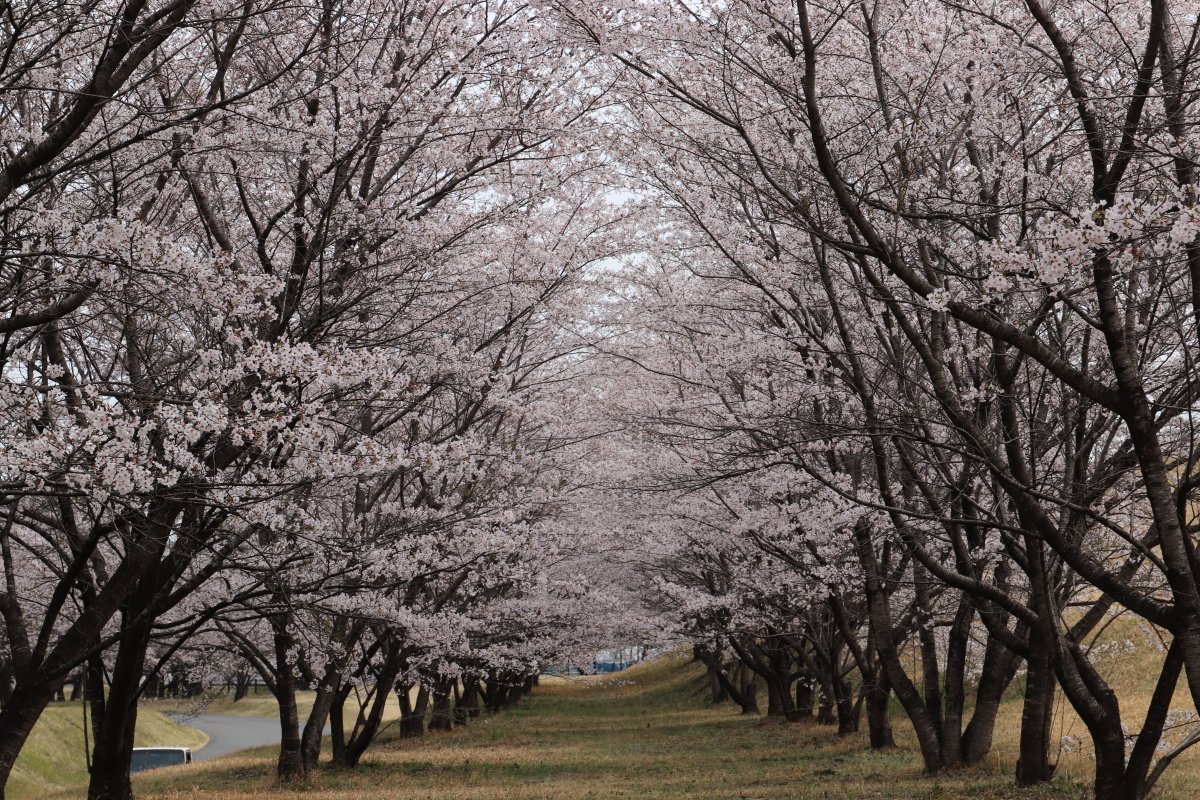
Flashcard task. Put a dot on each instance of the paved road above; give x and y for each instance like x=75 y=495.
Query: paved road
x=228 y=734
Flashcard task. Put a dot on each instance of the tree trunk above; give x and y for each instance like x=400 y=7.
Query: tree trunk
x=1139 y=780
x=1033 y=764
x=459 y=697
x=826 y=698
x=367 y=724
x=848 y=709
x=1037 y=714
x=412 y=713
x=954 y=677
x=881 y=628
x=1097 y=706
x=774 y=705
x=314 y=726
x=241 y=686
x=439 y=718
x=94 y=691
x=290 y=766
x=112 y=749
x=17 y=719
x=999 y=668
x=470 y=701
x=712 y=666
x=879 y=720
x=492 y=693
x=7 y=678
x=337 y=724
x=804 y=697
x=742 y=691
x=749 y=691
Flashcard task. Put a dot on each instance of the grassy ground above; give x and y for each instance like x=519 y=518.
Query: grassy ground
x=1130 y=662
x=649 y=733
x=53 y=758
x=261 y=705
x=646 y=733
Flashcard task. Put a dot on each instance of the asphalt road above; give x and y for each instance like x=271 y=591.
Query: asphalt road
x=228 y=734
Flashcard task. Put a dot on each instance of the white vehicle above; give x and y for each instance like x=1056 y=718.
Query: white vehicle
x=154 y=757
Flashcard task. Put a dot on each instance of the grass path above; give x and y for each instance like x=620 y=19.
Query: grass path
x=646 y=733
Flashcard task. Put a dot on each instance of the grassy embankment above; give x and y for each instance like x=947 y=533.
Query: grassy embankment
x=53 y=758
x=648 y=733
x=259 y=704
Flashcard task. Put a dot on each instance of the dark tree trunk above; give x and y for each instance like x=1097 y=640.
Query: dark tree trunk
x=17 y=719
x=930 y=672
x=94 y=690
x=368 y=722
x=439 y=718
x=774 y=705
x=1033 y=762
x=712 y=666
x=459 y=696
x=241 y=686
x=749 y=691
x=999 y=668
x=1138 y=781
x=337 y=723
x=826 y=697
x=112 y=749
x=716 y=692
x=804 y=697
x=818 y=666
x=1037 y=713
x=825 y=712
x=1097 y=706
x=774 y=672
x=7 y=677
x=955 y=681
x=470 y=702
x=780 y=704
x=742 y=687
x=848 y=709
x=412 y=713
x=290 y=767
x=314 y=726
x=879 y=719
x=512 y=694
x=492 y=693
x=923 y=724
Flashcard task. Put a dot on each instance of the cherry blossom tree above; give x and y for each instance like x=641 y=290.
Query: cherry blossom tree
x=259 y=288
x=996 y=203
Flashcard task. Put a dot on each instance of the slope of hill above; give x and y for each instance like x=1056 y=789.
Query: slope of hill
x=54 y=757
x=644 y=733
x=647 y=732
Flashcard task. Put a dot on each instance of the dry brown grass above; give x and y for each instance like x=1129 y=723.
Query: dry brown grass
x=656 y=737
x=596 y=738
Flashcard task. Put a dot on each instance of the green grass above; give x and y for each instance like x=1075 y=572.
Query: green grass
x=54 y=757
x=649 y=732
x=597 y=738
x=261 y=705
